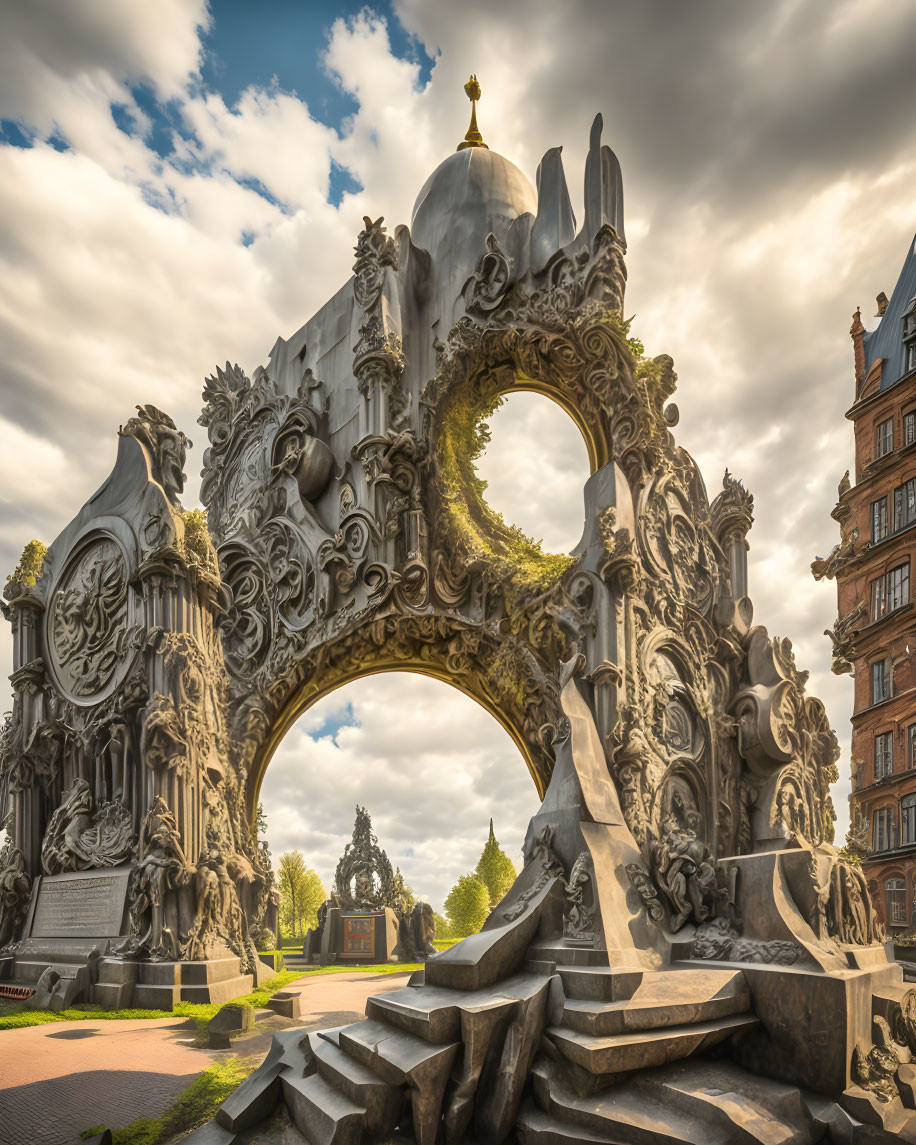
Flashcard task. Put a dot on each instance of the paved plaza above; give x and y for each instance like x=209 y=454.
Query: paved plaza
x=61 y=1078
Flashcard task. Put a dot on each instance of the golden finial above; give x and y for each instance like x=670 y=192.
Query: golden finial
x=473 y=137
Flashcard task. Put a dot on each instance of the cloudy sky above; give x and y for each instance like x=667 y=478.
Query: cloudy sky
x=181 y=182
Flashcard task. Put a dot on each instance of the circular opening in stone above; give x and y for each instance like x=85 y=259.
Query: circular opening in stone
x=535 y=467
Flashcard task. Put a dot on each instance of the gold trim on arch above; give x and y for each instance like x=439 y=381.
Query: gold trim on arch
x=311 y=693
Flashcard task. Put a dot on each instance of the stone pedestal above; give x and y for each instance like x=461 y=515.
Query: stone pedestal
x=160 y=985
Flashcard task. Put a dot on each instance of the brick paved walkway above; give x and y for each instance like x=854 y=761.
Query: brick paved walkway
x=61 y=1078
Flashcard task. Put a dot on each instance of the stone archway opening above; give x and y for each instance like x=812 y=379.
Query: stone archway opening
x=535 y=466
x=431 y=765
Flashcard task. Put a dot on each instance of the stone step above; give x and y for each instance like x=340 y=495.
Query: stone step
x=669 y=998
x=561 y=953
x=381 y=1100
x=613 y=1115
x=600 y=983
x=645 y=1049
x=535 y=1127
x=401 y=1058
x=428 y=1013
x=324 y=1114
x=148 y=996
x=438 y=1015
x=695 y=1102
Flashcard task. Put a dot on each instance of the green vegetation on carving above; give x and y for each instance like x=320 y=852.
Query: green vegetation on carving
x=495 y=869
x=27 y=572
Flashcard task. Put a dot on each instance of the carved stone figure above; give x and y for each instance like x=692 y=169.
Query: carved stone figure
x=843 y=636
x=79 y=838
x=15 y=887
x=162 y=870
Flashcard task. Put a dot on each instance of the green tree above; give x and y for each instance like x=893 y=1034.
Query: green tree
x=301 y=894
x=495 y=869
x=27 y=572
x=467 y=905
x=402 y=897
x=443 y=926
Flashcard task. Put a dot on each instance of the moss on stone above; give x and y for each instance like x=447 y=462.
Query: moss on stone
x=27 y=572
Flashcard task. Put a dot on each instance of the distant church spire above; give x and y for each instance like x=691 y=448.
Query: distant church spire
x=473 y=138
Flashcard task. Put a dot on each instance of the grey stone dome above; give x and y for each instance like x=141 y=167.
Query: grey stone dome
x=469 y=194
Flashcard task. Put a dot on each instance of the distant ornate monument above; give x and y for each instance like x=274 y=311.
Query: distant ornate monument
x=370 y=917
x=684 y=957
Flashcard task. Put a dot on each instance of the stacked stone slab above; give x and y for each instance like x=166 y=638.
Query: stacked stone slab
x=517 y=1031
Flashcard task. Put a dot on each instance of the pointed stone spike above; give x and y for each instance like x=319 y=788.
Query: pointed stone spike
x=555 y=224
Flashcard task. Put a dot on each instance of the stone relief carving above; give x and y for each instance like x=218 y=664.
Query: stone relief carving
x=78 y=838
x=579 y=914
x=87 y=631
x=364 y=879
x=166 y=447
x=719 y=941
x=15 y=888
x=156 y=915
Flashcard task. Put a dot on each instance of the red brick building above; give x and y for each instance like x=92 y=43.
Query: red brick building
x=875 y=634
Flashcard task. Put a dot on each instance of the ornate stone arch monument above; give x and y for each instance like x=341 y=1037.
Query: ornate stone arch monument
x=680 y=892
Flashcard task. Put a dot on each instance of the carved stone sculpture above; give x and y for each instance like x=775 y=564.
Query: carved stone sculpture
x=15 y=886
x=684 y=770
x=79 y=838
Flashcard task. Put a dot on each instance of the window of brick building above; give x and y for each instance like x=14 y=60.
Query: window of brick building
x=878 y=599
x=884 y=437
x=898 y=587
x=904 y=505
x=908 y=819
x=896 y=902
x=909 y=427
x=911 y=744
x=880 y=681
x=890 y=591
x=884 y=755
x=878 y=520
x=909 y=334
x=882 y=829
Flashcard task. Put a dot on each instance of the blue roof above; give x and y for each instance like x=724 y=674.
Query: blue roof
x=887 y=340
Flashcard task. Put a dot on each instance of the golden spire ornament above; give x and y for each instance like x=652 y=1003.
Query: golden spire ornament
x=473 y=137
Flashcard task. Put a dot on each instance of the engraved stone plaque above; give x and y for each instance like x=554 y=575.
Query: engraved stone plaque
x=88 y=618
x=84 y=904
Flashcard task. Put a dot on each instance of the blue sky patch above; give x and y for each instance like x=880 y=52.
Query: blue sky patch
x=341 y=718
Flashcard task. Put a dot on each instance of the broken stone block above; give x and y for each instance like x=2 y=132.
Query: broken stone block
x=232 y=1018
x=286 y=1003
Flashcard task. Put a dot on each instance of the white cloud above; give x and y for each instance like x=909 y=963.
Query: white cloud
x=430 y=765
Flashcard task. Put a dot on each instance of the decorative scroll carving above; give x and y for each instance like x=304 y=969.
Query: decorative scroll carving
x=548 y=867
x=78 y=839
x=87 y=628
x=732 y=512
x=843 y=635
x=784 y=734
x=166 y=446
x=645 y=888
